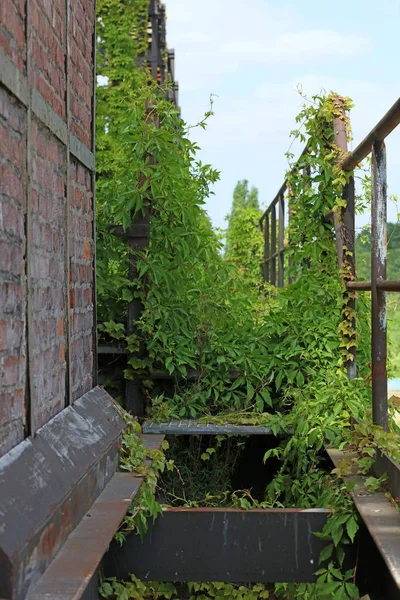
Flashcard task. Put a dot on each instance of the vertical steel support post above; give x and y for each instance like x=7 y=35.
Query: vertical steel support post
x=266 y=249
x=273 y=245
x=154 y=50
x=138 y=239
x=345 y=234
x=378 y=273
x=281 y=236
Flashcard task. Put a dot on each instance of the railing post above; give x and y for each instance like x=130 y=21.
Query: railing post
x=138 y=239
x=266 y=248
x=273 y=245
x=281 y=235
x=345 y=234
x=378 y=297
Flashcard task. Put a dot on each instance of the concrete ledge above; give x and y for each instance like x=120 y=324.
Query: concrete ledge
x=48 y=483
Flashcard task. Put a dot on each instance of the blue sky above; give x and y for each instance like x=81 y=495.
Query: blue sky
x=253 y=53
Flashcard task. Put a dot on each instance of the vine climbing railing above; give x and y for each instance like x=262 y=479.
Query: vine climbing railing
x=274 y=249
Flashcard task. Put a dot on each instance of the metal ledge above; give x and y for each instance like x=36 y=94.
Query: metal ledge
x=381 y=519
x=74 y=569
x=48 y=483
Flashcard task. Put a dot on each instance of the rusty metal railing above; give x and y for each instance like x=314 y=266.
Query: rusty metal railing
x=372 y=144
x=160 y=60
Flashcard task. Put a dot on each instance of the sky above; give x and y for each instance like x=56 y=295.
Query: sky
x=252 y=55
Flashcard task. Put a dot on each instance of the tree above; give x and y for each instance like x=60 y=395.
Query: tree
x=243 y=197
x=252 y=199
x=244 y=242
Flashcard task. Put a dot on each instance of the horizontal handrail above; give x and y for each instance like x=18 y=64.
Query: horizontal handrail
x=386 y=285
x=282 y=189
x=385 y=126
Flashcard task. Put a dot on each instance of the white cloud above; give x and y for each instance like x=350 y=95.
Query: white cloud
x=229 y=36
x=252 y=54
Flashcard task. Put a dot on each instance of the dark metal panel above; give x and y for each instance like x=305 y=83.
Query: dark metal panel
x=378 y=297
x=223 y=545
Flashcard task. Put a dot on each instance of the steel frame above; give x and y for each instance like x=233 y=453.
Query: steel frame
x=372 y=144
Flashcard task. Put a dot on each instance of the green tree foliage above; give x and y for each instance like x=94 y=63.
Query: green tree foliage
x=243 y=197
x=267 y=356
x=252 y=199
x=244 y=245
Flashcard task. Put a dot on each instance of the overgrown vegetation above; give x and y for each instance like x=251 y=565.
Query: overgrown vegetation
x=262 y=355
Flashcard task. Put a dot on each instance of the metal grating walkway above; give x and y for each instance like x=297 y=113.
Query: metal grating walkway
x=193 y=427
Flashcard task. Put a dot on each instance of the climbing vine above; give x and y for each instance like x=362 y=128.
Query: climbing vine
x=259 y=355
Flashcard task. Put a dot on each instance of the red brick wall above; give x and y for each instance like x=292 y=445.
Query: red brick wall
x=45 y=220
x=12 y=271
x=81 y=279
x=81 y=70
x=48 y=277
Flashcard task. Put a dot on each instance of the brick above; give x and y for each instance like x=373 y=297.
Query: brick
x=48 y=204
x=11 y=184
x=12 y=370
x=11 y=296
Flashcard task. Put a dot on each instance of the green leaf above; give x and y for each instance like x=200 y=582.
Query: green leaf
x=326 y=553
x=352 y=528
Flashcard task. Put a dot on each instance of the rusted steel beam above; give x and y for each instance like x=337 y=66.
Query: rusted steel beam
x=378 y=297
x=206 y=544
x=385 y=126
x=363 y=286
x=387 y=285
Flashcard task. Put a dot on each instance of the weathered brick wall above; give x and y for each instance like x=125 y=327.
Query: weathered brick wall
x=81 y=283
x=48 y=285
x=12 y=271
x=46 y=211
